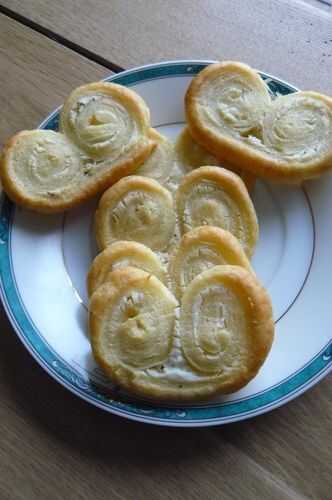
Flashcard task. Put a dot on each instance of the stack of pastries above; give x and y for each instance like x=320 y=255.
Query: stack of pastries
x=176 y=311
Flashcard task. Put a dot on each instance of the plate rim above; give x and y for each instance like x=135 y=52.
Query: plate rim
x=174 y=416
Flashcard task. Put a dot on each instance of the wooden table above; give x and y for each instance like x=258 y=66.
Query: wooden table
x=55 y=446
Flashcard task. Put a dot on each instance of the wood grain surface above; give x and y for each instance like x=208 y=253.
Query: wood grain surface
x=54 y=446
x=36 y=74
x=288 y=38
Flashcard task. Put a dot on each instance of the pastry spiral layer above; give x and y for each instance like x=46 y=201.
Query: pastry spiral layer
x=230 y=113
x=123 y=254
x=222 y=337
x=227 y=98
x=201 y=249
x=298 y=127
x=137 y=209
x=41 y=169
x=106 y=136
x=131 y=320
x=214 y=196
x=226 y=326
x=105 y=120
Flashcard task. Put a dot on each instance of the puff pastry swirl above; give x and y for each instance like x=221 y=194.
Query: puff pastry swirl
x=201 y=249
x=226 y=326
x=123 y=254
x=223 y=334
x=106 y=135
x=215 y=196
x=41 y=169
x=105 y=120
x=137 y=209
x=230 y=113
x=131 y=320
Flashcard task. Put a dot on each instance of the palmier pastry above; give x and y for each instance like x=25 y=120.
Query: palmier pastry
x=221 y=339
x=107 y=121
x=131 y=324
x=123 y=254
x=297 y=134
x=214 y=196
x=226 y=327
x=41 y=170
x=230 y=113
x=106 y=135
x=201 y=249
x=136 y=209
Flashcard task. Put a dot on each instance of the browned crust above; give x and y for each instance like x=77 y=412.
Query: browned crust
x=240 y=154
x=259 y=309
x=93 y=186
x=154 y=135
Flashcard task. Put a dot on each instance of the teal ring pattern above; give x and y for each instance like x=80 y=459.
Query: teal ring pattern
x=217 y=414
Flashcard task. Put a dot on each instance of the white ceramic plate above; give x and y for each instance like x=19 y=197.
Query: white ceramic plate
x=44 y=261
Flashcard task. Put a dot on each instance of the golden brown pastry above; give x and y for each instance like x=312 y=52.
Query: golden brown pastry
x=201 y=249
x=214 y=196
x=297 y=133
x=160 y=163
x=136 y=209
x=226 y=327
x=105 y=136
x=229 y=112
x=223 y=335
x=123 y=254
x=107 y=121
x=40 y=169
x=131 y=325
x=191 y=155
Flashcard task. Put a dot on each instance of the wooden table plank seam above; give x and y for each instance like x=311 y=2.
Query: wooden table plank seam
x=56 y=37
x=290 y=38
